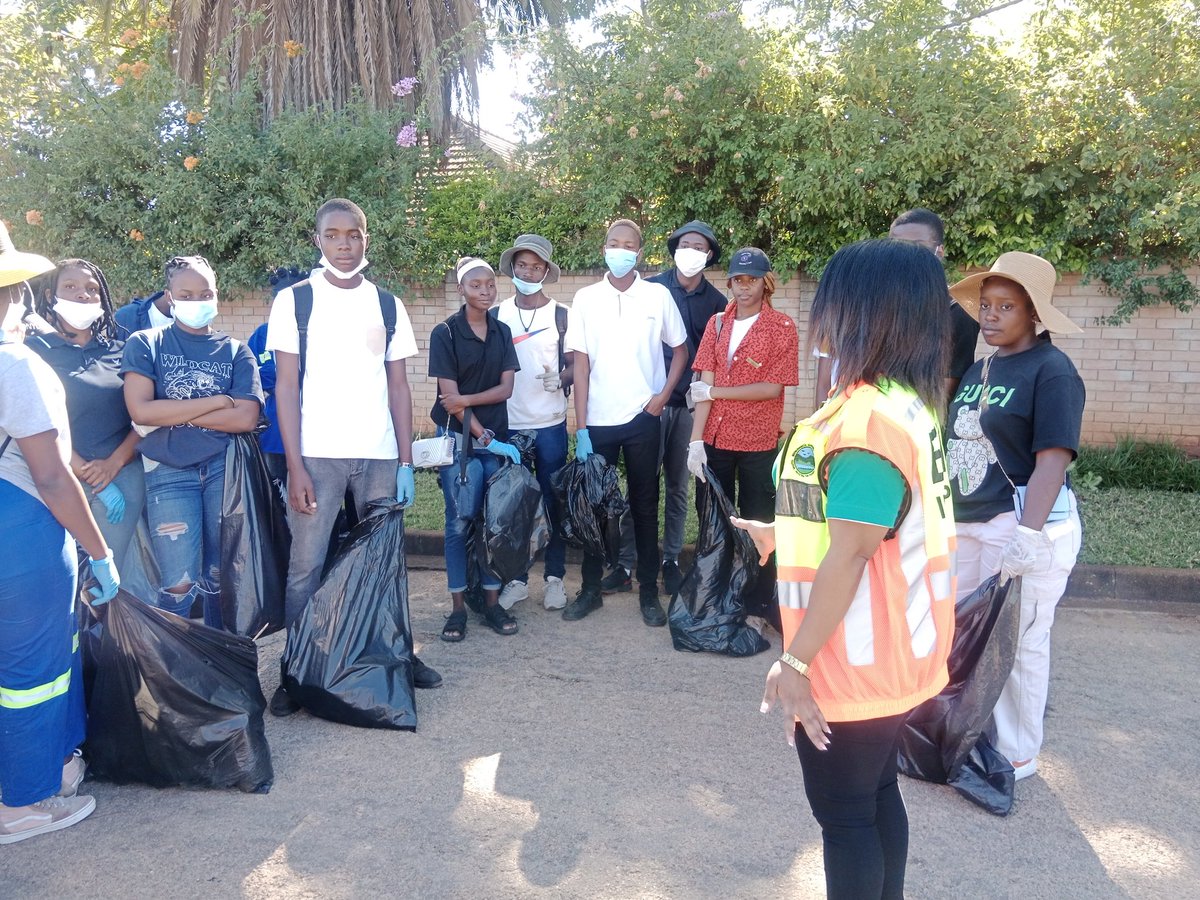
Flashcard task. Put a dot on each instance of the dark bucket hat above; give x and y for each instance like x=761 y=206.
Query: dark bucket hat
x=700 y=228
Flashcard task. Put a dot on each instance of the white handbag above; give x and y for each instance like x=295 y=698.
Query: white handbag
x=434 y=452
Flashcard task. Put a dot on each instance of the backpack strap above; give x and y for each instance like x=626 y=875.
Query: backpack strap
x=4 y=446
x=560 y=322
x=302 y=295
x=387 y=306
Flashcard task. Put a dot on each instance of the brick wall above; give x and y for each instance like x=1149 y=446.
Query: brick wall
x=1136 y=374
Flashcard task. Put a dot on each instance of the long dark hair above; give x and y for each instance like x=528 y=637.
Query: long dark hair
x=105 y=328
x=882 y=310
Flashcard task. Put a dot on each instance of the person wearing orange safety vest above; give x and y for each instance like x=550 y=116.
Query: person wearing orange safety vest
x=864 y=541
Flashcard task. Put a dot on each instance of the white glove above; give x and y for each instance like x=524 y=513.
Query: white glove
x=698 y=392
x=551 y=380
x=1023 y=552
x=697 y=459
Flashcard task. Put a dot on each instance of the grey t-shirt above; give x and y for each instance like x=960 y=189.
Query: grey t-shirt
x=31 y=401
x=91 y=375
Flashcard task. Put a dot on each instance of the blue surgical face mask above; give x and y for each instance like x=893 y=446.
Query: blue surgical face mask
x=526 y=287
x=619 y=261
x=195 y=313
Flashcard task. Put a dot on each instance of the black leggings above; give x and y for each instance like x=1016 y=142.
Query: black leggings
x=853 y=793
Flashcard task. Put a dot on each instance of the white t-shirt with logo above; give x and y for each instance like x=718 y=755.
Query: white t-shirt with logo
x=344 y=404
x=622 y=332
x=535 y=338
x=740 y=328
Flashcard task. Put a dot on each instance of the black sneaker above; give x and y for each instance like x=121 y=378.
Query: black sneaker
x=586 y=601
x=424 y=676
x=618 y=581
x=652 y=611
x=282 y=704
x=672 y=577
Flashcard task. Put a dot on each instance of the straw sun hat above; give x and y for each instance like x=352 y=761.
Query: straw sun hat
x=16 y=266
x=1031 y=272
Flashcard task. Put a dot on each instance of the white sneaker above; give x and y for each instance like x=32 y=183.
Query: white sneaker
x=514 y=592
x=20 y=822
x=555 y=595
x=1025 y=769
x=72 y=776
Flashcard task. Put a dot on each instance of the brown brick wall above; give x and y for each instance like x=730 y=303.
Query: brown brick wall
x=1136 y=374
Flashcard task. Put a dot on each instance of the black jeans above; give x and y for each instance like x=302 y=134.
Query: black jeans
x=754 y=498
x=853 y=793
x=638 y=440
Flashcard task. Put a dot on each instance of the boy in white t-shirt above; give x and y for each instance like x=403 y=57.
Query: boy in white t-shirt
x=351 y=425
x=539 y=399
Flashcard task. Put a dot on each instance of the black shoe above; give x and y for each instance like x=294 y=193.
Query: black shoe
x=672 y=577
x=586 y=601
x=424 y=676
x=618 y=581
x=282 y=704
x=652 y=611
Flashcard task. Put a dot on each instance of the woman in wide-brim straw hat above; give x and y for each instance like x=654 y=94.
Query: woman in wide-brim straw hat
x=42 y=507
x=1013 y=430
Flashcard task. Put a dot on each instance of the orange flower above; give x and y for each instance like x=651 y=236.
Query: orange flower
x=34 y=217
x=293 y=48
x=118 y=81
x=129 y=37
x=195 y=117
x=139 y=68
x=136 y=235
x=191 y=162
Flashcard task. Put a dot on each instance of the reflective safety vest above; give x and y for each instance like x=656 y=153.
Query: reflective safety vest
x=889 y=652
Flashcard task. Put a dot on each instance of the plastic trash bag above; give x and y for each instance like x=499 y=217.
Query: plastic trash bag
x=349 y=656
x=707 y=614
x=255 y=543
x=589 y=495
x=514 y=521
x=942 y=741
x=174 y=702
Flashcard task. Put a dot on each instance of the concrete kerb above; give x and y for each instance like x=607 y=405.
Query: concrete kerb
x=1091 y=587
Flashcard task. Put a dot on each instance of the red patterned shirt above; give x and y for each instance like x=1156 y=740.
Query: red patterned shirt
x=768 y=353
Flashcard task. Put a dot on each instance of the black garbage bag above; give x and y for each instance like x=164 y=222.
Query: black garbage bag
x=589 y=495
x=514 y=521
x=255 y=543
x=349 y=656
x=174 y=702
x=708 y=614
x=942 y=741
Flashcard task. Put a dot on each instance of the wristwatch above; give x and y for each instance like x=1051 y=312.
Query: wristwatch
x=487 y=437
x=788 y=660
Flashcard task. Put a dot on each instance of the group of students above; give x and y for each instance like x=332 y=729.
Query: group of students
x=666 y=374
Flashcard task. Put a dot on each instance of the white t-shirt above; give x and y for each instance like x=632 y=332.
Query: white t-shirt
x=622 y=332
x=740 y=327
x=32 y=400
x=344 y=404
x=535 y=338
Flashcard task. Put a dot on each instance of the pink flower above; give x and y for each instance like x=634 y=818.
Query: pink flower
x=407 y=135
x=404 y=87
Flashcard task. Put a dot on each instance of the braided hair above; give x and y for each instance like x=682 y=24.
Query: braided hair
x=195 y=263
x=46 y=289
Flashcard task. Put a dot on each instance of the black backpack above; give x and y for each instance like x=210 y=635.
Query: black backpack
x=303 y=293
x=560 y=322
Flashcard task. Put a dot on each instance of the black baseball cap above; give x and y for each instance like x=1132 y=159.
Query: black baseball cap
x=749 y=261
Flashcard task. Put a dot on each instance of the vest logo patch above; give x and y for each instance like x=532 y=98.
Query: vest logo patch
x=804 y=460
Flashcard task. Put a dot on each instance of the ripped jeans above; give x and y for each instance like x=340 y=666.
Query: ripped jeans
x=183 y=509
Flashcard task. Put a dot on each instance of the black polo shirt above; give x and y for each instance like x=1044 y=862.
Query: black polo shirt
x=91 y=377
x=696 y=307
x=456 y=353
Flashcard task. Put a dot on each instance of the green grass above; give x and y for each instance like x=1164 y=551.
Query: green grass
x=1138 y=464
x=1121 y=526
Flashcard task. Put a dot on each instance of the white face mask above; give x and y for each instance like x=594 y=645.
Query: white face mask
x=689 y=262
x=342 y=273
x=195 y=313
x=78 y=315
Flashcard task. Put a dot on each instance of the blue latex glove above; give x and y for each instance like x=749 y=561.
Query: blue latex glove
x=114 y=502
x=406 y=488
x=107 y=577
x=583 y=444
x=502 y=449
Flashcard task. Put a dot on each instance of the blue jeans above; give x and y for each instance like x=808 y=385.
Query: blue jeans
x=459 y=530
x=550 y=455
x=183 y=509
x=42 y=716
x=132 y=482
